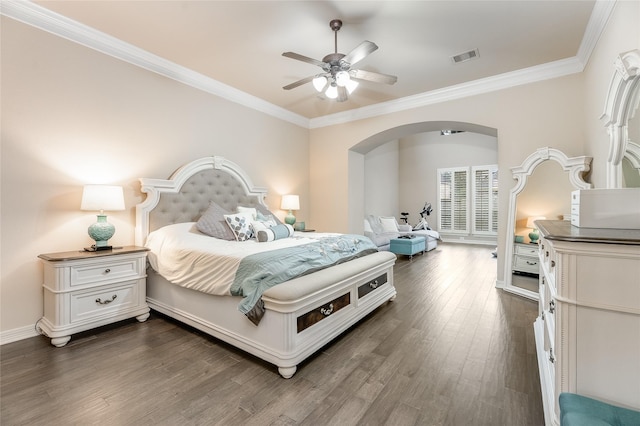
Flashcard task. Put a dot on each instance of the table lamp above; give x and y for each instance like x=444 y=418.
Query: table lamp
x=102 y=197
x=533 y=235
x=290 y=202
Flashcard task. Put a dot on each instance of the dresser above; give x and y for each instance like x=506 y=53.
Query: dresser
x=588 y=329
x=84 y=290
x=525 y=258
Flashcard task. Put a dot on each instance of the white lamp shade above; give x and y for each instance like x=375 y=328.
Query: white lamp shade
x=351 y=86
x=342 y=78
x=332 y=92
x=102 y=197
x=290 y=202
x=319 y=82
x=532 y=219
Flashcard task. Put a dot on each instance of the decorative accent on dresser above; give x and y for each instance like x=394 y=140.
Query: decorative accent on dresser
x=588 y=329
x=575 y=168
x=85 y=290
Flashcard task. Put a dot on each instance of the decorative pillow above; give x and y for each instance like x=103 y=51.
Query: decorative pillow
x=389 y=224
x=213 y=223
x=261 y=225
x=266 y=213
x=250 y=210
x=275 y=233
x=240 y=224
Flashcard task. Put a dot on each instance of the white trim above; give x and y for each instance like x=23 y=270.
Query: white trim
x=37 y=16
x=10 y=336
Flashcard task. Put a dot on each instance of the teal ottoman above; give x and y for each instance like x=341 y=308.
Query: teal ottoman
x=408 y=246
x=576 y=410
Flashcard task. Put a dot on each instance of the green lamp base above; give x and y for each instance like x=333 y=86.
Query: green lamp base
x=290 y=219
x=533 y=236
x=101 y=231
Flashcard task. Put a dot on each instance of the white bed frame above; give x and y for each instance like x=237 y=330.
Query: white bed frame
x=302 y=315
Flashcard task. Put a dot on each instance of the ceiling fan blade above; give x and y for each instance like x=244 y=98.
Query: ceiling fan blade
x=303 y=58
x=360 y=52
x=342 y=94
x=298 y=83
x=374 y=77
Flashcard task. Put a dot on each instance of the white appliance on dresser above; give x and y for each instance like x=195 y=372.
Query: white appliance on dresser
x=588 y=329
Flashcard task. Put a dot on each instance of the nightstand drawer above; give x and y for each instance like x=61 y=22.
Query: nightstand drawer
x=103 y=301
x=526 y=264
x=109 y=270
x=527 y=250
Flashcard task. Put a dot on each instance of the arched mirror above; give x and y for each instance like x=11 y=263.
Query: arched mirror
x=622 y=122
x=517 y=252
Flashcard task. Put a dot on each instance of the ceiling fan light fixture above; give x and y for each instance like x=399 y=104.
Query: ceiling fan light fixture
x=332 y=92
x=342 y=78
x=351 y=86
x=319 y=82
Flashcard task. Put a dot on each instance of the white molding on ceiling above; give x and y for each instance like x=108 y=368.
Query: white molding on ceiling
x=54 y=23
x=490 y=84
x=32 y=14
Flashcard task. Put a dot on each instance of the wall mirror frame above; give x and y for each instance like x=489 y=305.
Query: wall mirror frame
x=576 y=167
x=620 y=106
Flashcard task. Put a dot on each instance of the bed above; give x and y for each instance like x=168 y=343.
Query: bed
x=301 y=315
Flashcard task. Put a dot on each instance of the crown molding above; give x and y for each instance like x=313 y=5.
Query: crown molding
x=490 y=84
x=37 y=16
x=597 y=21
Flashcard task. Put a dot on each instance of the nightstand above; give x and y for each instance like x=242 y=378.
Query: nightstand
x=85 y=290
x=525 y=258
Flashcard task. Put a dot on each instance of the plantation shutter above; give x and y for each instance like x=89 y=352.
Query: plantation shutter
x=485 y=200
x=453 y=199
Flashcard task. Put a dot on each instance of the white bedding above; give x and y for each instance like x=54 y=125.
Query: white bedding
x=191 y=259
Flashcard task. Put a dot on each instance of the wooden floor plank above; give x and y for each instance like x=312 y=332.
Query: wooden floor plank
x=450 y=350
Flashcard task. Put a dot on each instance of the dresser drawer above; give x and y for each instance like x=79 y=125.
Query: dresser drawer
x=372 y=285
x=315 y=316
x=108 y=270
x=103 y=301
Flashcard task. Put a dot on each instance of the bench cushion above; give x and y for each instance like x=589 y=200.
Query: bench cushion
x=577 y=410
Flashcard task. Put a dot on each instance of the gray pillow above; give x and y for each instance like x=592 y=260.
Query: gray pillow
x=213 y=223
x=266 y=213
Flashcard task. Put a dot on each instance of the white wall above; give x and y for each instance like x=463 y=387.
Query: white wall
x=422 y=154
x=72 y=116
x=381 y=177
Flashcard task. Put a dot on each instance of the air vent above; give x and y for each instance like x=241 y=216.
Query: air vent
x=466 y=56
x=450 y=132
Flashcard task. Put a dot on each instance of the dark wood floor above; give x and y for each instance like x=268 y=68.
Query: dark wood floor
x=451 y=350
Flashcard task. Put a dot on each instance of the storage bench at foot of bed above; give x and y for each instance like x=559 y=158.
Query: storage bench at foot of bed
x=302 y=315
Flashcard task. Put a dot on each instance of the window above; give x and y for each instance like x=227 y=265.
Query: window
x=468 y=200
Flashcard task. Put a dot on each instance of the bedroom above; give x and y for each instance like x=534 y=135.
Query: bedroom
x=54 y=141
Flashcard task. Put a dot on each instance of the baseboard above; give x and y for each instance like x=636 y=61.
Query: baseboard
x=467 y=240
x=16 y=334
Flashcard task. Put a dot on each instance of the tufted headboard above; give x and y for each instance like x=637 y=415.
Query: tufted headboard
x=187 y=194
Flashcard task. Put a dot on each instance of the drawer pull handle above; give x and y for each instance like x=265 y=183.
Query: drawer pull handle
x=106 y=302
x=327 y=311
x=553 y=263
x=373 y=284
x=551 y=357
x=106 y=271
x=531 y=263
x=552 y=306
x=546 y=253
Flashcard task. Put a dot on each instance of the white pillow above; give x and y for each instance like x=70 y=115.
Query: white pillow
x=251 y=210
x=389 y=224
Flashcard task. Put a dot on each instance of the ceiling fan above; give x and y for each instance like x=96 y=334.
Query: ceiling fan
x=338 y=78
